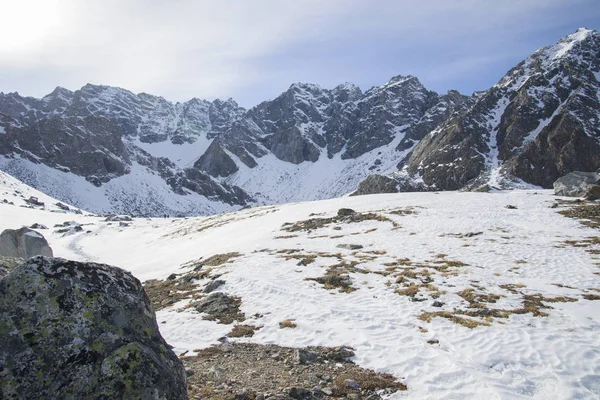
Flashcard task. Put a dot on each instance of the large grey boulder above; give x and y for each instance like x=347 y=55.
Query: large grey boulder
x=575 y=184
x=375 y=184
x=23 y=243
x=72 y=330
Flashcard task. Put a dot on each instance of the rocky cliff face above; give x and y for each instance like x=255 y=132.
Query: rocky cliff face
x=537 y=123
x=100 y=134
x=145 y=155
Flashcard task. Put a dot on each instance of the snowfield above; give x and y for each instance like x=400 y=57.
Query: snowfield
x=466 y=251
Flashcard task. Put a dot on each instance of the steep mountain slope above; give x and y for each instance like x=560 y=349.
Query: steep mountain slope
x=540 y=121
x=312 y=143
x=92 y=148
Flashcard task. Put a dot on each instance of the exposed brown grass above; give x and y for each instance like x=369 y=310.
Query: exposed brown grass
x=587 y=214
x=316 y=223
x=288 y=323
x=367 y=380
x=243 y=331
x=165 y=293
x=220 y=259
x=477 y=300
x=466 y=322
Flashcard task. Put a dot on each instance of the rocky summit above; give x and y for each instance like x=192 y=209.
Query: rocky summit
x=72 y=330
x=106 y=149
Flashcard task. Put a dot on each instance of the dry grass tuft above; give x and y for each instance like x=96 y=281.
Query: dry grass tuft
x=368 y=380
x=243 y=331
x=219 y=259
x=587 y=214
x=316 y=223
x=288 y=323
x=476 y=300
x=466 y=322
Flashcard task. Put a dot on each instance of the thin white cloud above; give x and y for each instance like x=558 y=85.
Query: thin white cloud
x=186 y=48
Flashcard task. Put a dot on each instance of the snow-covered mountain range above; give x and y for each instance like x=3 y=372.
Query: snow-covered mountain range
x=106 y=149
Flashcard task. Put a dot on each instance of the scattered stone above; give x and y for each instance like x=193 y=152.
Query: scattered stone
x=352 y=384
x=91 y=322
x=339 y=354
x=345 y=212
x=332 y=281
x=34 y=201
x=337 y=228
x=554 y=205
x=225 y=309
x=123 y=224
x=511 y=207
x=23 y=243
x=303 y=356
x=118 y=218
x=62 y=206
x=350 y=246
x=213 y=285
x=265 y=372
x=471 y=234
x=38 y=226
x=70 y=229
x=298 y=393
x=592 y=193
x=66 y=223
x=216 y=374
x=438 y=304
x=172 y=277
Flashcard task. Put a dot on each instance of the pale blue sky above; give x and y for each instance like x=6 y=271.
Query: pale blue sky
x=253 y=50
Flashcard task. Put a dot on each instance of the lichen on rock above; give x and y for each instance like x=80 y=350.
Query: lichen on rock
x=82 y=330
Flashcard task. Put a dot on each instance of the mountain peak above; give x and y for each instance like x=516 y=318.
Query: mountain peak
x=566 y=45
x=400 y=80
x=59 y=91
x=311 y=87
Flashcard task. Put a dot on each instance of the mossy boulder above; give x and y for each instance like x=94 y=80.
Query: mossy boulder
x=72 y=330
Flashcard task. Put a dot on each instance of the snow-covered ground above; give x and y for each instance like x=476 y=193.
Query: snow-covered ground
x=511 y=253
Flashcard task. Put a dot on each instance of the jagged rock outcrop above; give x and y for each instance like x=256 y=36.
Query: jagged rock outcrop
x=72 y=330
x=375 y=184
x=23 y=243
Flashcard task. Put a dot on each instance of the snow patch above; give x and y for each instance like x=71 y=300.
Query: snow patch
x=34 y=234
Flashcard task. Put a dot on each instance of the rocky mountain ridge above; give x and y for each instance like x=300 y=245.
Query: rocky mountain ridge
x=539 y=122
x=106 y=149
